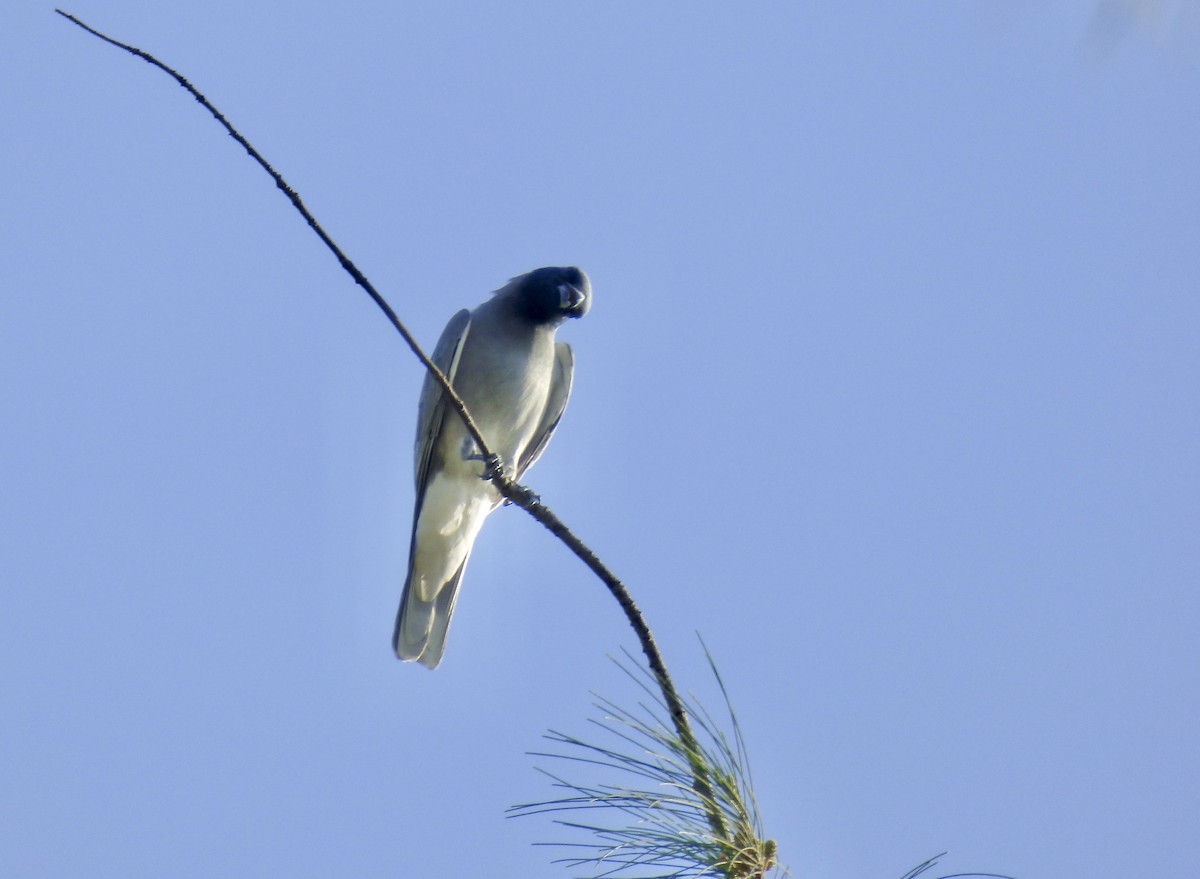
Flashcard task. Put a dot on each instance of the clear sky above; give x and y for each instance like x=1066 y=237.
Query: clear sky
x=889 y=390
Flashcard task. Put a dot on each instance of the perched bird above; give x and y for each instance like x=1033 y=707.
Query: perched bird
x=502 y=359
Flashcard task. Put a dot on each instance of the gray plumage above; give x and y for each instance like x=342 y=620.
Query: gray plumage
x=502 y=359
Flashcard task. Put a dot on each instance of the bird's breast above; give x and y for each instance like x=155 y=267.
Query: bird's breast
x=509 y=396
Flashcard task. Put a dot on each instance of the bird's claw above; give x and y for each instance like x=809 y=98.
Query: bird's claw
x=528 y=498
x=494 y=467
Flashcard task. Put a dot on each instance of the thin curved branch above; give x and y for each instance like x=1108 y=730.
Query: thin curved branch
x=294 y=197
x=509 y=488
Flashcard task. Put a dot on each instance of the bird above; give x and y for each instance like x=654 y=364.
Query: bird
x=501 y=357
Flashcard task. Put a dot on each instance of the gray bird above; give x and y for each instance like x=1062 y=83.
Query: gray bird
x=502 y=360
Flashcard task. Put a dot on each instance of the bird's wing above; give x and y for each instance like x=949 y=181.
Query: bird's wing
x=416 y=616
x=432 y=407
x=556 y=404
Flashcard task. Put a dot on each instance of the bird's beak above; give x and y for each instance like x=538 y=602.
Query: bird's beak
x=575 y=301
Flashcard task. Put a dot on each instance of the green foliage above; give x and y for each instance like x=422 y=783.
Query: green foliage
x=645 y=820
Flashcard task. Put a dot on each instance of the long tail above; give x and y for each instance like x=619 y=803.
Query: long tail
x=422 y=626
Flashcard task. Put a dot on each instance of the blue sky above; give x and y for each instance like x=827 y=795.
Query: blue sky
x=890 y=391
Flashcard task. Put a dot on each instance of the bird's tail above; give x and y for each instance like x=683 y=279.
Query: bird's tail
x=422 y=624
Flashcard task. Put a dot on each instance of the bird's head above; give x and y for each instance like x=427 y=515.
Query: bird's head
x=550 y=295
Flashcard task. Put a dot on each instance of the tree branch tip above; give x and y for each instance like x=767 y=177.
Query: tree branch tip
x=494 y=468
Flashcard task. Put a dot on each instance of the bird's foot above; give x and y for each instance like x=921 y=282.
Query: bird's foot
x=493 y=467
x=523 y=497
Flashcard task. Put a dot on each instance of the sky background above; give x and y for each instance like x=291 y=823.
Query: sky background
x=891 y=390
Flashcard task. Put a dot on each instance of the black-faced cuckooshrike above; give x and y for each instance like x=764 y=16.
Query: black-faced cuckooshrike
x=502 y=360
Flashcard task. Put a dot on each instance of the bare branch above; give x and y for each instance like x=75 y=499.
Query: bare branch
x=494 y=470
x=294 y=197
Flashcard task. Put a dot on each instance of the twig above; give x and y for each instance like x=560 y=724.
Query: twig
x=294 y=197
x=509 y=488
